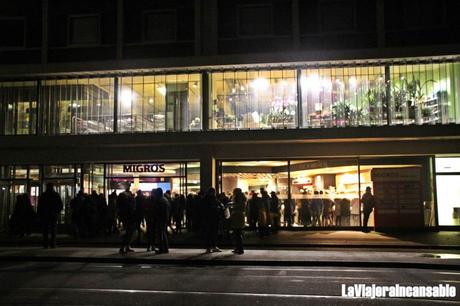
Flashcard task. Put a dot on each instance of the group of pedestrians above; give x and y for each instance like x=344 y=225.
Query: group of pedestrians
x=206 y=212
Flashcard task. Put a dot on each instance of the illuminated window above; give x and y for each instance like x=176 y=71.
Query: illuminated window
x=343 y=96
x=153 y=103
x=253 y=99
x=78 y=106
x=18 y=106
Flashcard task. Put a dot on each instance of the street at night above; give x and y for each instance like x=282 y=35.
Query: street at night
x=120 y=284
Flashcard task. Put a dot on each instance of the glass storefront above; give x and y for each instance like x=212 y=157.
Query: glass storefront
x=327 y=192
x=152 y=103
x=18 y=108
x=77 y=106
x=302 y=96
x=178 y=177
x=253 y=99
x=448 y=190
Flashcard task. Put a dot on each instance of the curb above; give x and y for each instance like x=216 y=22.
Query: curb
x=217 y=262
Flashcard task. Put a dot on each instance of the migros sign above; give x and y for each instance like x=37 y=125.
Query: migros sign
x=142 y=168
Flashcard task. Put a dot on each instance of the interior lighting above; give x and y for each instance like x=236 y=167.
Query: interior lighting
x=260 y=84
x=162 y=90
x=126 y=97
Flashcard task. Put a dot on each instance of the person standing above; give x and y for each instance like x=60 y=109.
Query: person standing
x=149 y=214
x=275 y=212
x=368 y=201
x=112 y=214
x=126 y=214
x=139 y=214
x=237 y=219
x=48 y=209
x=212 y=208
x=162 y=209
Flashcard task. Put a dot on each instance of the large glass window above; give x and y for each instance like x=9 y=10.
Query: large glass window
x=253 y=99
x=153 y=103
x=18 y=108
x=343 y=96
x=425 y=93
x=448 y=190
x=78 y=106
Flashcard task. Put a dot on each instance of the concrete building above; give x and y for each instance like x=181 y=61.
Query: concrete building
x=309 y=99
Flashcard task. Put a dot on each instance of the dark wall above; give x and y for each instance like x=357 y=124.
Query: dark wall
x=269 y=29
x=60 y=48
x=28 y=14
x=338 y=24
x=137 y=45
x=422 y=22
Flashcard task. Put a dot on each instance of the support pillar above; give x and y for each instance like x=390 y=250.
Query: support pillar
x=207 y=172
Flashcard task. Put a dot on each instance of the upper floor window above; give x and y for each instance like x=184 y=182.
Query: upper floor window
x=160 y=25
x=84 y=30
x=255 y=20
x=18 y=106
x=12 y=33
x=337 y=16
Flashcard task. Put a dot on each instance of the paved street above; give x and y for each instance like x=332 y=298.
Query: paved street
x=50 y=283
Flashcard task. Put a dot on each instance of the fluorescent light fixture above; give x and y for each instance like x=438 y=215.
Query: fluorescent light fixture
x=127 y=97
x=260 y=84
x=162 y=90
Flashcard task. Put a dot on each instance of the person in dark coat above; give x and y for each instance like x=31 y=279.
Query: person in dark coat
x=275 y=212
x=76 y=213
x=49 y=207
x=149 y=214
x=368 y=201
x=139 y=214
x=112 y=214
x=253 y=210
x=179 y=212
x=237 y=219
x=161 y=213
x=212 y=208
x=126 y=214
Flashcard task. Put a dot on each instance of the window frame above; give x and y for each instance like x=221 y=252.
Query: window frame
x=145 y=40
x=69 y=30
x=238 y=20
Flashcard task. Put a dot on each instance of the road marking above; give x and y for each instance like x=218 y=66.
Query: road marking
x=231 y=294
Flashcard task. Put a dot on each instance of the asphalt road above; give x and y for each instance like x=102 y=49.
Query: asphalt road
x=32 y=283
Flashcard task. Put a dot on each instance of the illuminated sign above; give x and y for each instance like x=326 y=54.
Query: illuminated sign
x=142 y=168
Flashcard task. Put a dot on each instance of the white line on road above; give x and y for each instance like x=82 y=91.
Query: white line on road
x=217 y=293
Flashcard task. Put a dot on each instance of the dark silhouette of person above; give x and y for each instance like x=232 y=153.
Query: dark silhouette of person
x=48 y=209
x=368 y=201
x=179 y=212
x=126 y=214
x=76 y=213
x=212 y=208
x=161 y=220
x=23 y=216
x=102 y=213
x=317 y=209
x=263 y=206
x=288 y=213
x=139 y=214
x=253 y=210
x=112 y=227
x=275 y=212
x=149 y=215
x=237 y=219
x=189 y=206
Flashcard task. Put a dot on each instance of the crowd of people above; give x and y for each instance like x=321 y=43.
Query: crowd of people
x=127 y=214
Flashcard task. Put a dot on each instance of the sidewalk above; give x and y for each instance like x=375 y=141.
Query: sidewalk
x=447 y=260
x=449 y=240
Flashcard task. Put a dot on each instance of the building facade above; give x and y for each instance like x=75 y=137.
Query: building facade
x=308 y=99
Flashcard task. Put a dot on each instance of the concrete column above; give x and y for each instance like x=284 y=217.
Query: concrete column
x=207 y=172
x=44 y=47
x=209 y=27
x=120 y=28
x=197 y=27
x=295 y=24
x=380 y=11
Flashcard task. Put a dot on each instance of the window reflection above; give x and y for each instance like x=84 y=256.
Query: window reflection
x=253 y=99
